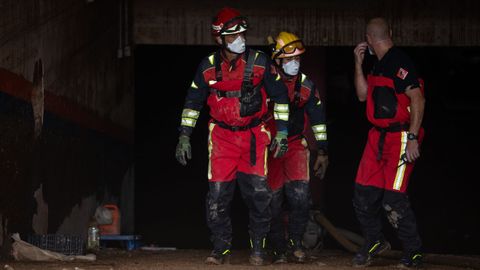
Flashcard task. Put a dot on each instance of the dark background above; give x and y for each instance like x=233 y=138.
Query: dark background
x=170 y=198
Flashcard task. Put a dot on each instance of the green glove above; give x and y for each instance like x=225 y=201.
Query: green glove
x=183 y=151
x=279 y=144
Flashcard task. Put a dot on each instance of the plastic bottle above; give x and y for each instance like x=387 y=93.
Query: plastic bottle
x=93 y=237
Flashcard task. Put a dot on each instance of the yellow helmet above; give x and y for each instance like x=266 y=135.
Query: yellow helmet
x=286 y=45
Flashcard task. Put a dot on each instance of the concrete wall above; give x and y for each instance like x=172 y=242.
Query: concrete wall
x=53 y=183
x=77 y=41
x=325 y=23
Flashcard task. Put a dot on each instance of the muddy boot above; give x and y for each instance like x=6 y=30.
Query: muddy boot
x=368 y=251
x=218 y=257
x=257 y=255
x=279 y=257
x=297 y=250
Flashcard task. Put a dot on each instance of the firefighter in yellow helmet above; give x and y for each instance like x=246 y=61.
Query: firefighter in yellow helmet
x=288 y=176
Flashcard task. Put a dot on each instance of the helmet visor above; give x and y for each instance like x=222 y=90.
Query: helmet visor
x=235 y=25
x=292 y=47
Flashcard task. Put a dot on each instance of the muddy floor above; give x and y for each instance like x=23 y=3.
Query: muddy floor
x=193 y=259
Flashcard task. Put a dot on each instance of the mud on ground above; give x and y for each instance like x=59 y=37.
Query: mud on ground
x=193 y=259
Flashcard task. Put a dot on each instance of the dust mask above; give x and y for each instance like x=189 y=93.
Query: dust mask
x=291 y=68
x=237 y=46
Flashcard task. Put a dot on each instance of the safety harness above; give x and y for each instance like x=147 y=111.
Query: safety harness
x=247 y=96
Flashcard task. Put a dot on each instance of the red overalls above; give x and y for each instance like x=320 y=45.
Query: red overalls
x=382 y=164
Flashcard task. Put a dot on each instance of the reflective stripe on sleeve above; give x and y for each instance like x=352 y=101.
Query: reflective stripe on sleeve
x=321 y=136
x=281 y=108
x=189 y=113
x=189 y=122
x=319 y=128
x=280 y=116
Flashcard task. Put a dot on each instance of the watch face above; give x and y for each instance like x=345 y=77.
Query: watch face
x=411 y=136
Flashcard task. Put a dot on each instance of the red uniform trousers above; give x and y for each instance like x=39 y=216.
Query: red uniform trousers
x=229 y=152
x=294 y=165
x=390 y=172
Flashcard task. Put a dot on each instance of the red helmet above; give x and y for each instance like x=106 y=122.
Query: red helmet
x=228 y=21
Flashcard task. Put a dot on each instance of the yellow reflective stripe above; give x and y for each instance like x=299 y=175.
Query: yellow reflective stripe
x=256 y=54
x=263 y=242
x=211 y=59
x=373 y=248
x=210 y=147
x=278 y=77
x=401 y=167
x=211 y=82
x=319 y=102
x=416 y=255
x=280 y=108
x=303 y=77
x=226 y=251
x=193 y=85
x=321 y=136
x=319 y=128
x=280 y=116
x=189 y=122
x=189 y=113
x=251 y=243
x=265 y=161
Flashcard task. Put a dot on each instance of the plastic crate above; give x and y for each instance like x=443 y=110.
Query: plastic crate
x=65 y=244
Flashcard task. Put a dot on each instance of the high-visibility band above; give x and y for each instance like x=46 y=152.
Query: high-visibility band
x=321 y=136
x=319 y=128
x=212 y=82
x=319 y=102
x=211 y=59
x=278 y=77
x=189 y=113
x=210 y=148
x=397 y=184
x=193 y=85
x=280 y=116
x=303 y=77
x=280 y=108
x=189 y=122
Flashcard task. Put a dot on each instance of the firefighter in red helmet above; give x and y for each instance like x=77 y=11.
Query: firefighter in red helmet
x=235 y=81
x=289 y=175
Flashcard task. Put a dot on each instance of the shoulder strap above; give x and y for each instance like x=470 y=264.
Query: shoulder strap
x=218 y=67
x=247 y=73
x=296 y=93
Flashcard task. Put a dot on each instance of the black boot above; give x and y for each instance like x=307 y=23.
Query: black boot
x=297 y=250
x=218 y=257
x=257 y=256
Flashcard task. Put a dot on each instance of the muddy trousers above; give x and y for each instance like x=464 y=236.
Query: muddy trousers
x=256 y=195
x=368 y=202
x=297 y=196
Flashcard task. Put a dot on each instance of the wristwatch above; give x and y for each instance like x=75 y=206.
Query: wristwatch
x=411 y=136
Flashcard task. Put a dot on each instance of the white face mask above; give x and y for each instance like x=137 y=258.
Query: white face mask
x=291 y=68
x=237 y=46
